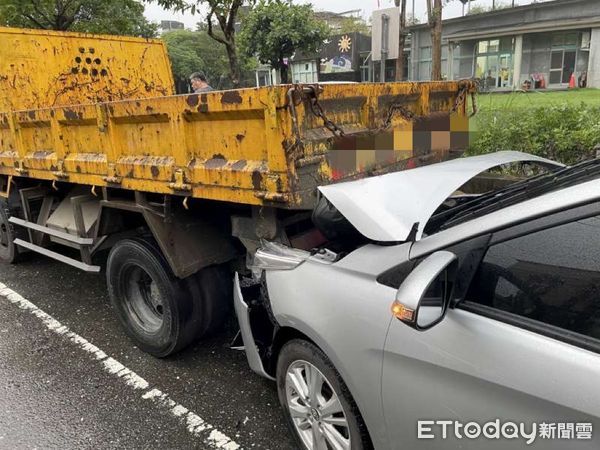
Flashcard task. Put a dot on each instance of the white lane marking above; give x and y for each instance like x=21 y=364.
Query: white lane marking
x=194 y=423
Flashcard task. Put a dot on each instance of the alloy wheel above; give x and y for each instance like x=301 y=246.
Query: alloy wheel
x=317 y=413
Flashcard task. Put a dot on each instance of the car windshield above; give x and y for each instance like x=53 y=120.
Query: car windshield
x=514 y=193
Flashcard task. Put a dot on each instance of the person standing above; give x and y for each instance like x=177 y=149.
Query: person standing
x=199 y=83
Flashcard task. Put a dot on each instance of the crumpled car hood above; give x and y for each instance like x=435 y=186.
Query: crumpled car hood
x=386 y=208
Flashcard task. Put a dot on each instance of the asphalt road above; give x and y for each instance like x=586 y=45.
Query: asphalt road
x=54 y=393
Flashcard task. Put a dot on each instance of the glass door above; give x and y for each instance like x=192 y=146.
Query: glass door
x=569 y=59
x=506 y=71
x=562 y=65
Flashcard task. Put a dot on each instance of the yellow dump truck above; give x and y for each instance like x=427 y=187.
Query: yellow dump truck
x=100 y=160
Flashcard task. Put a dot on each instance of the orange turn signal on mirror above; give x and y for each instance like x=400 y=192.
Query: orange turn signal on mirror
x=402 y=313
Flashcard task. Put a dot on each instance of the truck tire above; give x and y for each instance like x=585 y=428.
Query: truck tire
x=212 y=291
x=9 y=253
x=161 y=313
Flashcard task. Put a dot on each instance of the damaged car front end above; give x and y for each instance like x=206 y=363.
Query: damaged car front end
x=258 y=327
x=389 y=320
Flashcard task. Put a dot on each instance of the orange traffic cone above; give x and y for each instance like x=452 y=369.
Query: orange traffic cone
x=572 y=82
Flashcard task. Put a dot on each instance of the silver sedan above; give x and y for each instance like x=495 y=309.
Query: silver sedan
x=452 y=322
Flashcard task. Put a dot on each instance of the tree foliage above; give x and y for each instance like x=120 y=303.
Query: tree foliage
x=354 y=25
x=481 y=9
x=276 y=29
x=191 y=51
x=221 y=13
x=122 y=17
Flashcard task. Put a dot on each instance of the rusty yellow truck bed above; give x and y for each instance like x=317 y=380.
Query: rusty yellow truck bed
x=268 y=145
x=100 y=111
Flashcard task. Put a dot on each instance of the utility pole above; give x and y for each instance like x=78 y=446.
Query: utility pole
x=385 y=34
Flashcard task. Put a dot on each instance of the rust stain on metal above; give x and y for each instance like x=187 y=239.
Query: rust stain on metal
x=192 y=100
x=239 y=165
x=77 y=68
x=70 y=114
x=231 y=97
x=215 y=162
x=257 y=179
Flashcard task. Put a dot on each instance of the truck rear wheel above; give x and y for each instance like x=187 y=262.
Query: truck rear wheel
x=161 y=313
x=8 y=250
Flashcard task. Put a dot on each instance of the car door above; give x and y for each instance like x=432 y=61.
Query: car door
x=517 y=362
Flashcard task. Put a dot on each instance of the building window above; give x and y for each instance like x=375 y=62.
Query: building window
x=424 y=63
x=569 y=40
x=305 y=72
x=494 y=62
x=463 y=60
x=390 y=70
x=407 y=60
x=366 y=67
x=563 y=57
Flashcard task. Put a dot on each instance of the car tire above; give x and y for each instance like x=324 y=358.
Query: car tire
x=161 y=313
x=9 y=253
x=312 y=417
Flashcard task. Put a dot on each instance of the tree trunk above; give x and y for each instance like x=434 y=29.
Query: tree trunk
x=435 y=23
x=283 y=70
x=400 y=60
x=234 y=65
x=227 y=24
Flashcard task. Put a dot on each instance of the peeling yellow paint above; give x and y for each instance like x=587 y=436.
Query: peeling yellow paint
x=236 y=146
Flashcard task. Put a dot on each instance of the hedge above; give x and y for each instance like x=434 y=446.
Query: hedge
x=566 y=133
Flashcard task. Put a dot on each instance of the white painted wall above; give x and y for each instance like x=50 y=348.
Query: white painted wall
x=518 y=61
x=594 y=62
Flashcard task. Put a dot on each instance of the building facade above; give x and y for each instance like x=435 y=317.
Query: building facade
x=343 y=58
x=335 y=20
x=542 y=45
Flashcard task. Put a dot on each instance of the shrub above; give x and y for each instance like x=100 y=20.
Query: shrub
x=565 y=133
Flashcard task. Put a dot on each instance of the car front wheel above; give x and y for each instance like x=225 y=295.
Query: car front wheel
x=317 y=404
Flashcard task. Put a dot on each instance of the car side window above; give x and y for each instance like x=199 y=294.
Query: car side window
x=551 y=276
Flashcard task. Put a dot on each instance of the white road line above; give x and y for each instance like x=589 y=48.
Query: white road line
x=194 y=423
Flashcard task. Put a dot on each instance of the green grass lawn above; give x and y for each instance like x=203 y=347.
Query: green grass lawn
x=534 y=99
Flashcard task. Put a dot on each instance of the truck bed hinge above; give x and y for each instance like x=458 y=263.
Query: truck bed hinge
x=179 y=184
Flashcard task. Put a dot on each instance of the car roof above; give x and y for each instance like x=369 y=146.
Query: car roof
x=395 y=207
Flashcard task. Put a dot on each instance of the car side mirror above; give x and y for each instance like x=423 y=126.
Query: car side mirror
x=423 y=298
